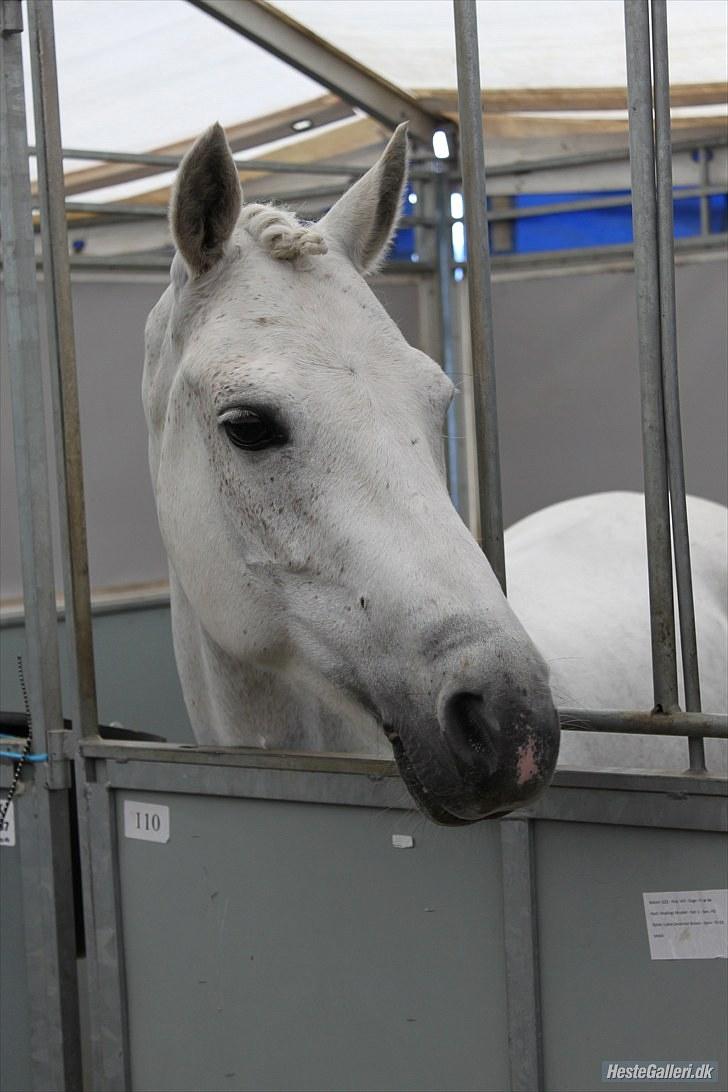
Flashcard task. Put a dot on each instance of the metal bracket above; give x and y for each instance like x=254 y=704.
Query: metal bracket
x=11 y=17
x=61 y=751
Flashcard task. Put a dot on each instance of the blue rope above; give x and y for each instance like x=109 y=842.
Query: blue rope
x=15 y=756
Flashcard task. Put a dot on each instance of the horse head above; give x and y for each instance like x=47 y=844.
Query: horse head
x=320 y=573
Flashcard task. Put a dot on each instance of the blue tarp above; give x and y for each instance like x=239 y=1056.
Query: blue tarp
x=570 y=230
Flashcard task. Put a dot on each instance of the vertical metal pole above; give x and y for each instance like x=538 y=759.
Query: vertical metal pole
x=62 y=352
x=654 y=455
x=479 y=288
x=67 y=430
x=44 y=843
x=520 y=926
x=444 y=252
x=671 y=388
x=704 y=181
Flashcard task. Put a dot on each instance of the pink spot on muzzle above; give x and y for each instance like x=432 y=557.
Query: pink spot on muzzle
x=527 y=767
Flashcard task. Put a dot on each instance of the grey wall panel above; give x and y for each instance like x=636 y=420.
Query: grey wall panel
x=136 y=675
x=280 y=945
x=567 y=386
x=124 y=542
x=603 y=998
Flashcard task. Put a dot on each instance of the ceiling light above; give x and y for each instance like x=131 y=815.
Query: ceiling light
x=440 y=144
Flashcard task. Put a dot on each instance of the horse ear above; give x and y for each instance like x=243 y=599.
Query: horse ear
x=363 y=221
x=206 y=201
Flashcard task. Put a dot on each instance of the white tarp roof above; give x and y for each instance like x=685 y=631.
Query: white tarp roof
x=135 y=76
x=523 y=43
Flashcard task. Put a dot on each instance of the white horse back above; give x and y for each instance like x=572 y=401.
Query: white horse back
x=577 y=579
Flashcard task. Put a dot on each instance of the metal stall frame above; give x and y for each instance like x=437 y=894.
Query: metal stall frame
x=685 y=801
x=45 y=804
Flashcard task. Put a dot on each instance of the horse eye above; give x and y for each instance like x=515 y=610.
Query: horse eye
x=251 y=430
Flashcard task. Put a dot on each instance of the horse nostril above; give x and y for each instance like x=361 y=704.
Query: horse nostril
x=471 y=732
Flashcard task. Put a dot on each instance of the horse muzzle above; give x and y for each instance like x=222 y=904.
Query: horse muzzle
x=477 y=761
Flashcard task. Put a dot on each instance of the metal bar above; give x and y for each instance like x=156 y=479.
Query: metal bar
x=160 y=212
x=122 y=760
x=586 y=205
x=496 y=170
x=634 y=722
x=493 y=215
x=45 y=854
x=674 y=808
x=654 y=455
x=31 y=458
x=107 y=984
x=579 y=255
x=670 y=381
x=604 y=155
x=62 y=353
x=502 y=263
x=152 y=159
x=50 y=937
x=479 y=287
x=621 y=797
x=447 y=357
x=520 y=929
x=303 y=50
x=703 y=160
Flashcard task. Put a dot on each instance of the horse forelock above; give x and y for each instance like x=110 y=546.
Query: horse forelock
x=280 y=233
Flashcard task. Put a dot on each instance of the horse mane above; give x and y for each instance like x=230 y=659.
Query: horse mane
x=280 y=233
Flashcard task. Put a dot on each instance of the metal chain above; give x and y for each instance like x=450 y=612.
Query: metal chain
x=5 y=804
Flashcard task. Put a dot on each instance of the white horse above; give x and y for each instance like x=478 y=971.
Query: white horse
x=325 y=593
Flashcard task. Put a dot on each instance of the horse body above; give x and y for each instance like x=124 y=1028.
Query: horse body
x=325 y=593
x=577 y=579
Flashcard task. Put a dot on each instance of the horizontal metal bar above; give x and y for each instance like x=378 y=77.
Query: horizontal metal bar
x=527 y=263
x=251 y=758
x=267 y=166
x=667 y=805
x=140 y=211
x=601 y=155
x=623 y=797
x=259 y=166
x=696 y=244
x=593 y=203
x=497 y=170
x=714 y=725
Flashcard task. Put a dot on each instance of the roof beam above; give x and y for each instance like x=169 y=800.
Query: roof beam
x=305 y=51
x=248 y=134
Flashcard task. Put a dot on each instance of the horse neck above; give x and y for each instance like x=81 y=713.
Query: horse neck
x=235 y=703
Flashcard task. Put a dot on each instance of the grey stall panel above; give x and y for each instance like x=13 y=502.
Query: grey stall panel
x=15 y=1072
x=603 y=998
x=274 y=945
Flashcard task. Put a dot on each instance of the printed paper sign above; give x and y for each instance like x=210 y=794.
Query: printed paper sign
x=403 y=841
x=7 y=830
x=149 y=822
x=687 y=924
